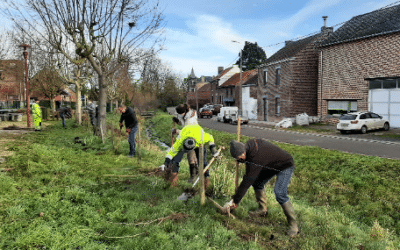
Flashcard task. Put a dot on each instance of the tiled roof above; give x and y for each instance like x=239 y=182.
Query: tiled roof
x=222 y=73
x=291 y=49
x=206 y=87
x=376 y=23
x=247 y=77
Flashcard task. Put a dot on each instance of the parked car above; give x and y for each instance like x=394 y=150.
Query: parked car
x=224 y=114
x=206 y=106
x=206 y=112
x=361 y=121
x=217 y=108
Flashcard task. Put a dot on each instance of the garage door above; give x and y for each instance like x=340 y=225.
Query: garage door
x=386 y=102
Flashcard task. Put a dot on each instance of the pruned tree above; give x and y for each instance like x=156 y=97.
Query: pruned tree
x=101 y=31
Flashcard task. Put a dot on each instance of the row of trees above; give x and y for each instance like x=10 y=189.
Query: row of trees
x=109 y=45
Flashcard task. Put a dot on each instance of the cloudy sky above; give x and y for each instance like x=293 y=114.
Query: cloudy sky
x=199 y=33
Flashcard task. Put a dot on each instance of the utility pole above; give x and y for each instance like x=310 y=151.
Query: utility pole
x=239 y=104
x=28 y=109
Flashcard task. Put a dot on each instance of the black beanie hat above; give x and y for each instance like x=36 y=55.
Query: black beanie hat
x=181 y=108
x=237 y=149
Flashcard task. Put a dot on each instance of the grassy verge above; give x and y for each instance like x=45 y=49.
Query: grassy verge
x=66 y=195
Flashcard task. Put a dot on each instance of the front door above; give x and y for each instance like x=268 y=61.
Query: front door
x=265 y=109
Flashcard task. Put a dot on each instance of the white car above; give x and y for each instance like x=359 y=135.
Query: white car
x=361 y=121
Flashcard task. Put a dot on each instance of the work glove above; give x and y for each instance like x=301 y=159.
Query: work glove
x=121 y=125
x=228 y=207
x=128 y=130
x=214 y=151
x=162 y=167
x=176 y=120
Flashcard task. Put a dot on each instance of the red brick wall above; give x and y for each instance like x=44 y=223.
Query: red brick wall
x=297 y=89
x=305 y=82
x=271 y=90
x=345 y=67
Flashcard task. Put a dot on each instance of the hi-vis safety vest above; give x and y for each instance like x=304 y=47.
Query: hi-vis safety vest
x=36 y=110
x=190 y=131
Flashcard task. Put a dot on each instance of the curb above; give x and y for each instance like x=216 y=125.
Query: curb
x=328 y=136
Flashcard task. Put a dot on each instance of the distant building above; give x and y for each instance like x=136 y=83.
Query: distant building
x=12 y=85
x=198 y=90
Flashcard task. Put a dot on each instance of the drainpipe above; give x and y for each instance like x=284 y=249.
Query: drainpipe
x=321 y=76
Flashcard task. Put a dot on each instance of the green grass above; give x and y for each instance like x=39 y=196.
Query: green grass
x=62 y=197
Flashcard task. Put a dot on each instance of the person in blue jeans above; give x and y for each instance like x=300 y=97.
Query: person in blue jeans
x=132 y=126
x=264 y=160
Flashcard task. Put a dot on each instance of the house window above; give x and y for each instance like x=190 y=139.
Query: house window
x=231 y=91
x=341 y=107
x=278 y=76
x=265 y=77
x=277 y=105
x=384 y=83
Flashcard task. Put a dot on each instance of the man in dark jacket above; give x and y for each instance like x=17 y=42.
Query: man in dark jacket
x=263 y=161
x=132 y=126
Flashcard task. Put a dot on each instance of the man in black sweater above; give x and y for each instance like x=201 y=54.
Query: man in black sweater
x=263 y=161
x=132 y=126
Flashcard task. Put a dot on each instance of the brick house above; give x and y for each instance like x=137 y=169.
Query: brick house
x=12 y=84
x=198 y=90
x=360 y=67
x=229 y=89
x=219 y=95
x=288 y=81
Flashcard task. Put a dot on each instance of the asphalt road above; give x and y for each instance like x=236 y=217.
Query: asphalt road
x=345 y=143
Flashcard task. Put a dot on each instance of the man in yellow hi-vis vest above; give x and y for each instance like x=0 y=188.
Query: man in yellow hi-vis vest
x=37 y=115
x=190 y=138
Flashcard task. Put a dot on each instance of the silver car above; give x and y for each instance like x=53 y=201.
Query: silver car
x=361 y=121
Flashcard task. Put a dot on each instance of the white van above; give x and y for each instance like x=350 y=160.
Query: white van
x=225 y=112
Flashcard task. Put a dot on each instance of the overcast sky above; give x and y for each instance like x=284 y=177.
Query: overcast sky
x=199 y=33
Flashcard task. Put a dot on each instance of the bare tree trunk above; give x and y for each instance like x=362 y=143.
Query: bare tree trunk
x=53 y=104
x=102 y=105
x=78 y=103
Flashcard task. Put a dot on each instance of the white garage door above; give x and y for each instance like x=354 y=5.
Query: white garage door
x=386 y=102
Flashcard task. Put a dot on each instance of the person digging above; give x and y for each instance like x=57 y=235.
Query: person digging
x=263 y=161
x=187 y=116
x=189 y=139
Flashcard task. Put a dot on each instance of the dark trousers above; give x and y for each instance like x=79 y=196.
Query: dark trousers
x=62 y=115
x=131 y=140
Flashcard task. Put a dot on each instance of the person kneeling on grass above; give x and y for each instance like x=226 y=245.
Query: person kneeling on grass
x=190 y=138
x=263 y=161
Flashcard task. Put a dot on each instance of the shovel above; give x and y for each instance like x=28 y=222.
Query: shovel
x=186 y=196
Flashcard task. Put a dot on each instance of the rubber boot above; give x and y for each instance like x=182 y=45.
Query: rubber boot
x=206 y=183
x=193 y=172
x=173 y=179
x=262 y=210
x=291 y=218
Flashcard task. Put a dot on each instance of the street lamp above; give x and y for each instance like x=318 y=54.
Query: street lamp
x=240 y=80
x=28 y=109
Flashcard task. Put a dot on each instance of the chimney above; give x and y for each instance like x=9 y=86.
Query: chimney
x=325 y=18
x=203 y=79
x=220 y=69
x=324 y=29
